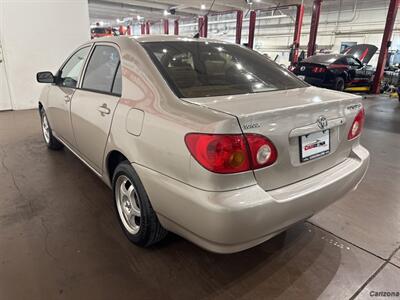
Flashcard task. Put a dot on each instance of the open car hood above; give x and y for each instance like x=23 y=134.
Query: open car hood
x=363 y=52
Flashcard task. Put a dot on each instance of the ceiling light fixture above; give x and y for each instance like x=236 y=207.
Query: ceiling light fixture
x=203 y=7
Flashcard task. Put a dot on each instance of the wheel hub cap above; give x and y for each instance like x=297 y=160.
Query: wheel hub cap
x=127 y=200
x=46 y=129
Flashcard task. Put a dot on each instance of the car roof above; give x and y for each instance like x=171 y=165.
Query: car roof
x=158 y=38
x=323 y=59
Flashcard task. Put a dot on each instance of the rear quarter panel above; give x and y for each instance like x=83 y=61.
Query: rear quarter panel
x=167 y=119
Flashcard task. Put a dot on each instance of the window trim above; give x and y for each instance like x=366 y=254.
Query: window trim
x=110 y=44
x=115 y=76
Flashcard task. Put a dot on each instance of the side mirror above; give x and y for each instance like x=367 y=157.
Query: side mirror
x=45 y=77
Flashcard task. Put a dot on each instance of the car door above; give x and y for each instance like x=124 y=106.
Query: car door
x=94 y=102
x=359 y=74
x=60 y=95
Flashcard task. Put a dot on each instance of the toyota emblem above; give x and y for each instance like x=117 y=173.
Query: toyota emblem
x=322 y=122
x=302 y=68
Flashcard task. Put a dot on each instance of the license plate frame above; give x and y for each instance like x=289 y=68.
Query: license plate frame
x=314 y=145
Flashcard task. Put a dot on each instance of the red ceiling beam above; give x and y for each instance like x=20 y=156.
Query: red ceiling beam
x=176 y=27
x=239 y=25
x=387 y=35
x=252 y=28
x=297 y=33
x=166 y=26
x=316 y=11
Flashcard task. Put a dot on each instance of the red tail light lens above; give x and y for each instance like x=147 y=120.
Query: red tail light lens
x=357 y=126
x=231 y=153
x=262 y=150
x=318 y=70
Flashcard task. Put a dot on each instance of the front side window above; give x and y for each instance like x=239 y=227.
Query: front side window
x=101 y=70
x=352 y=62
x=69 y=74
x=203 y=69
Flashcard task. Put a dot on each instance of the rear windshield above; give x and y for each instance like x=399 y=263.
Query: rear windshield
x=204 y=69
x=323 y=58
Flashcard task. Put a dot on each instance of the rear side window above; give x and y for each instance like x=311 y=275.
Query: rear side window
x=352 y=62
x=101 y=70
x=341 y=61
x=203 y=69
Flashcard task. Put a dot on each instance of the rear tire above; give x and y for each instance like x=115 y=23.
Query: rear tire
x=135 y=213
x=51 y=142
x=339 y=84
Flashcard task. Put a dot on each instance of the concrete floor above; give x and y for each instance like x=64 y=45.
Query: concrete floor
x=60 y=239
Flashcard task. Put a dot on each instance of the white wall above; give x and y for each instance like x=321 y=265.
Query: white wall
x=37 y=35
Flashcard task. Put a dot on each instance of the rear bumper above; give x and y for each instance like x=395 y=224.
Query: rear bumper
x=232 y=221
x=320 y=82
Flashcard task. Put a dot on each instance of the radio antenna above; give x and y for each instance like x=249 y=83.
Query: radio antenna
x=197 y=35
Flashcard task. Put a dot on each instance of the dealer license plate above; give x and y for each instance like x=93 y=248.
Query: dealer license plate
x=314 y=145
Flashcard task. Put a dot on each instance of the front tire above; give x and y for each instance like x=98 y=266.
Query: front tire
x=135 y=213
x=51 y=142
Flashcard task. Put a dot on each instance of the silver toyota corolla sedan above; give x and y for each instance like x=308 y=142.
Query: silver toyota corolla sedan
x=203 y=138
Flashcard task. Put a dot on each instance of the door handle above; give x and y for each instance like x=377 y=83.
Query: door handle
x=104 y=110
x=67 y=98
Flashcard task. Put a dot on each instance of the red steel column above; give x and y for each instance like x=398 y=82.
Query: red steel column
x=205 y=26
x=387 y=35
x=147 y=27
x=297 y=32
x=166 y=26
x=130 y=30
x=176 y=27
x=239 y=25
x=200 y=26
x=142 y=28
x=316 y=11
x=252 y=28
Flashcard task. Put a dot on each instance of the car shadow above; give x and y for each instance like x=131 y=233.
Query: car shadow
x=278 y=267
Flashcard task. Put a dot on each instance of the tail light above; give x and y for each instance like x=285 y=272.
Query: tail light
x=357 y=126
x=231 y=153
x=318 y=70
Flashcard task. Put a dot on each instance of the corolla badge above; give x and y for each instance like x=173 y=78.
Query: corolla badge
x=322 y=122
x=302 y=68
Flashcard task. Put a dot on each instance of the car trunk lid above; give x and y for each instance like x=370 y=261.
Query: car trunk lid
x=285 y=116
x=311 y=70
